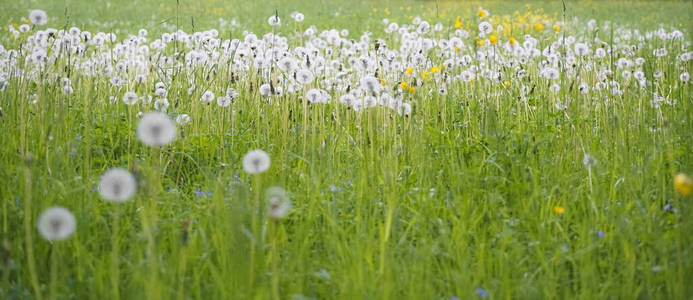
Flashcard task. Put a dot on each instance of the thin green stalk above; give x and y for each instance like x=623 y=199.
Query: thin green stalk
x=115 y=254
x=28 y=228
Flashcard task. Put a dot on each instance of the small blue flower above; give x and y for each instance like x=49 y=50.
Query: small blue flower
x=667 y=207
x=198 y=193
x=600 y=234
x=236 y=176
x=481 y=293
x=208 y=194
x=94 y=189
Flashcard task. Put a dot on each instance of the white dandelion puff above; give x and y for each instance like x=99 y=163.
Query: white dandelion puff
x=207 y=97
x=304 y=76
x=485 y=28
x=56 y=223
x=117 y=185
x=223 y=101
x=130 y=98
x=38 y=17
x=274 y=21
x=256 y=162
x=278 y=203
x=156 y=129
x=589 y=161
x=183 y=119
x=265 y=90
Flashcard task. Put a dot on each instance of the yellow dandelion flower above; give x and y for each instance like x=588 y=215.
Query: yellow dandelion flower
x=539 y=26
x=507 y=83
x=556 y=28
x=382 y=82
x=481 y=13
x=404 y=85
x=558 y=209
x=457 y=49
x=493 y=39
x=511 y=41
x=375 y=9
x=480 y=42
x=425 y=75
x=435 y=69
x=412 y=90
x=458 y=23
x=410 y=70
x=683 y=184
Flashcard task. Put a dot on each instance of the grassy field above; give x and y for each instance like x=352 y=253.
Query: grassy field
x=476 y=172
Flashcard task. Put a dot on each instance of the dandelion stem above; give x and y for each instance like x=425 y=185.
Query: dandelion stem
x=255 y=230
x=28 y=229
x=53 y=271
x=115 y=254
x=275 y=261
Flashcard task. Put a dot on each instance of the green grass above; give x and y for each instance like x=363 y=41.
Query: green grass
x=458 y=196
x=355 y=15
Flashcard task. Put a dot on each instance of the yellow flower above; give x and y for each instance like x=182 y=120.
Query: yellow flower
x=683 y=184
x=481 y=13
x=412 y=90
x=458 y=23
x=382 y=82
x=511 y=41
x=435 y=69
x=404 y=85
x=375 y=9
x=507 y=83
x=480 y=42
x=539 y=26
x=457 y=49
x=410 y=70
x=425 y=75
x=556 y=28
x=559 y=209
x=493 y=39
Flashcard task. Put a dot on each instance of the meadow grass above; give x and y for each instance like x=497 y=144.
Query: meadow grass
x=473 y=194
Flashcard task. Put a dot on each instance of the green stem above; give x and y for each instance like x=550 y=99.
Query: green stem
x=27 y=231
x=53 y=271
x=115 y=254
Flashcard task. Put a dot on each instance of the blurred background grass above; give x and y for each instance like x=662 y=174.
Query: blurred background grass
x=356 y=15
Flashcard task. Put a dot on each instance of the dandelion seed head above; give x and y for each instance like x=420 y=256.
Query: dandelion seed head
x=589 y=161
x=156 y=129
x=278 y=203
x=56 y=223
x=117 y=185
x=38 y=17
x=256 y=162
